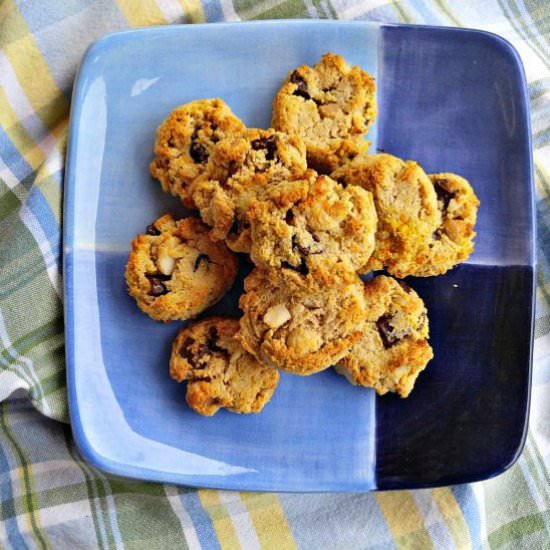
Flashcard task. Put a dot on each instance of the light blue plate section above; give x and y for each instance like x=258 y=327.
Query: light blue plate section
x=129 y=418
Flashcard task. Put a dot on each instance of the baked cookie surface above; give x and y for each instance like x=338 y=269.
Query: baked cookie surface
x=218 y=371
x=407 y=209
x=300 y=329
x=175 y=271
x=184 y=142
x=330 y=106
x=393 y=348
x=239 y=170
x=453 y=241
x=321 y=230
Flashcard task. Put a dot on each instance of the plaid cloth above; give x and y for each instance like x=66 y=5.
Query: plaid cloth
x=49 y=497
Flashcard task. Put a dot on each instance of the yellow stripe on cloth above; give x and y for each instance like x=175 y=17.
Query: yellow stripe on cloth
x=140 y=14
x=223 y=525
x=269 y=520
x=33 y=74
x=193 y=11
x=452 y=514
x=21 y=140
x=404 y=520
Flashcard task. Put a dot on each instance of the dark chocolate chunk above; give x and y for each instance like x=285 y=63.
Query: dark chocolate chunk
x=232 y=167
x=301 y=85
x=157 y=286
x=386 y=331
x=211 y=341
x=235 y=226
x=422 y=321
x=198 y=151
x=303 y=250
x=302 y=268
x=267 y=143
x=443 y=194
x=186 y=353
x=405 y=287
x=201 y=379
x=152 y=230
x=289 y=217
x=201 y=258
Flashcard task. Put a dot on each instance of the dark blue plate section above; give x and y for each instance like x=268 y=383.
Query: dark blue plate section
x=455 y=101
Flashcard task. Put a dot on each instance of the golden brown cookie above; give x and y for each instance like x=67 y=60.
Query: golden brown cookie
x=175 y=271
x=393 y=348
x=185 y=140
x=323 y=231
x=238 y=171
x=330 y=106
x=297 y=328
x=453 y=241
x=407 y=209
x=219 y=372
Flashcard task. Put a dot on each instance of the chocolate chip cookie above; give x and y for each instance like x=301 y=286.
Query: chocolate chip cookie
x=407 y=208
x=219 y=372
x=185 y=140
x=300 y=329
x=453 y=241
x=393 y=348
x=330 y=106
x=239 y=170
x=175 y=271
x=322 y=230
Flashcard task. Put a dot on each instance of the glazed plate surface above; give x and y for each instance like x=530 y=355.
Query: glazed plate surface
x=454 y=100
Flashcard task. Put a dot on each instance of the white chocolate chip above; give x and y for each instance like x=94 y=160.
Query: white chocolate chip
x=166 y=264
x=277 y=316
x=304 y=341
x=330 y=110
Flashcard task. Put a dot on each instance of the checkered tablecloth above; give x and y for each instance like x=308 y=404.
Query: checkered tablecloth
x=50 y=497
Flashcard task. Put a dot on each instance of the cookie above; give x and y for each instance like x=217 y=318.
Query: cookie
x=393 y=348
x=185 y=140
x=322 y=230
x=330 y=106
x=175 y=271
x=238 y=171
x=407 y=208
x=453 y=241
x=218 y=371
x=299 y=329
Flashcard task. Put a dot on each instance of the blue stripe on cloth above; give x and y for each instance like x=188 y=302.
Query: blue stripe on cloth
x=201 y=520
x=466 y=499
x=439 y=530
x=41 y=209
x=384 y=14
x=213 y=11
x=429 y=16
x=19 y=167
x=7 y=503
x=304 y=517
x=541 y=371
x=38 y=17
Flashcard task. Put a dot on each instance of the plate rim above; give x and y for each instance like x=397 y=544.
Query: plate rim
x=83 y=444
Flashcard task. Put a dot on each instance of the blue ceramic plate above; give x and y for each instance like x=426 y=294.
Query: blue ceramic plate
x=455 y=100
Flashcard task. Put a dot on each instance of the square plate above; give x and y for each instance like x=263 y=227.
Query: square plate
x=455 y=100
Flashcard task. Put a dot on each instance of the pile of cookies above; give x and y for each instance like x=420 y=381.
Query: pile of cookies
x=313 y=209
